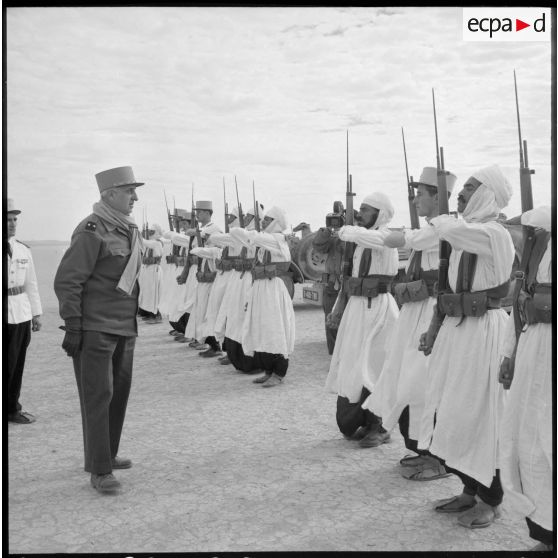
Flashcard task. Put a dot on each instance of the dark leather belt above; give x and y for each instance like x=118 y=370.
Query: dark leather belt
x=12 y=291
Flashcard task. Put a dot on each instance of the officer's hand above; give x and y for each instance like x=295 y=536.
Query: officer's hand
x=190 y=232
x=36 y=323
x=505 y=376
x=180 y=279
x=72 y=343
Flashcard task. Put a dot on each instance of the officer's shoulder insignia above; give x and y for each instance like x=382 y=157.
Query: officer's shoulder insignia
x=26 y=245
x=91 y=226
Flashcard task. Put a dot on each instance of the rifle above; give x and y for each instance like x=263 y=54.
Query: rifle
x=169 y=217
x=226 y=208
x=349 y=220
x=257 y=225
x=410 y=190
x=176 y=219
x=443 y=208
x=240 y=213
x=334 y=318
x=524 y=171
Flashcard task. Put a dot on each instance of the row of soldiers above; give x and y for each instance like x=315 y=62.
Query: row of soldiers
x=439 y=367
x=224 y=292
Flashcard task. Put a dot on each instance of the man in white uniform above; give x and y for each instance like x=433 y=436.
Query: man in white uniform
x=400 y=391
x=366 y=322
x=268 y=331
x=526 y=457
x=460 y=419
x=24 y=314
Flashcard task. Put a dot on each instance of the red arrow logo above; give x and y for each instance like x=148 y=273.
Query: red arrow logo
x=519 y=25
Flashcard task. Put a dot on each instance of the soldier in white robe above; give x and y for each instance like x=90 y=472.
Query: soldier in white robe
x=460 y=419
x=366 y=321
x=179 y=286
x=150 y=276
x=399 y=393
x=268 y=331
x=526 y=458
x=230 y=319
x=204 y=340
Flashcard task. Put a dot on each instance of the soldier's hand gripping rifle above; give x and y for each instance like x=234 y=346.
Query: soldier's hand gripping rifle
x=169 y=216
x=410 y=190
x=226 y=207
x=427 y=339
x=334 y=318
x=240 y=212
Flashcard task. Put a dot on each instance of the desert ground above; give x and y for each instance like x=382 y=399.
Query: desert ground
x=220 y=464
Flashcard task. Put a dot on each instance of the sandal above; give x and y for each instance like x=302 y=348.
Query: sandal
x=482 y=515
x=426 y=473
x=411 y=460
x=445 y=506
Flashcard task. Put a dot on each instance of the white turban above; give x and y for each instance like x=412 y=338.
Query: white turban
x=381 y=202
x=493 y=178
x=279 y=223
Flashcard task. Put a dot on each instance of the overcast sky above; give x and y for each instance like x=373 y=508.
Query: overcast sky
x=192 y=95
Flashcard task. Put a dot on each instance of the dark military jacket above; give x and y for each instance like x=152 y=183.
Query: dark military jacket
x=86 y=279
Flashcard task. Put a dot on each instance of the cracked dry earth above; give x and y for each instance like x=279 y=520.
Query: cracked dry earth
x=220 y=464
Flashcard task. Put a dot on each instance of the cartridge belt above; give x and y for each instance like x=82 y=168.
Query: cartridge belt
x=151 y=260
x=224 y=264
x=12 y=291
x=243 y=265
x=369 y=286
x=269 y=271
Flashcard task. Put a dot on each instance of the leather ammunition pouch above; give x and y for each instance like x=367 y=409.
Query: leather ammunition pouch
x=170 y=259
x=369 y=286
x=152 y=260
x=470 y=304
x=206 y=276
x=192 y=259
x=414 y=291
x=224 y=265
x=180 y=260
x=271 y=270
x=240 y=264
x=537 y=308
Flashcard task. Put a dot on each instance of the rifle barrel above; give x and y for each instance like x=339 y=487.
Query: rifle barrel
x=436 y=131
x=522 y=162
x=410 y=191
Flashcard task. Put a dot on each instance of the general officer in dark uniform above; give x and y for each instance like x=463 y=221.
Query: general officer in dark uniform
x=97 y=290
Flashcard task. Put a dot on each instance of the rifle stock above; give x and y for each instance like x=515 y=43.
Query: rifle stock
x=410 y=190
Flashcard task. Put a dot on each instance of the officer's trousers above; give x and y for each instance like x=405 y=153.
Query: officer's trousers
x=18 y=337
x=103 y=370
